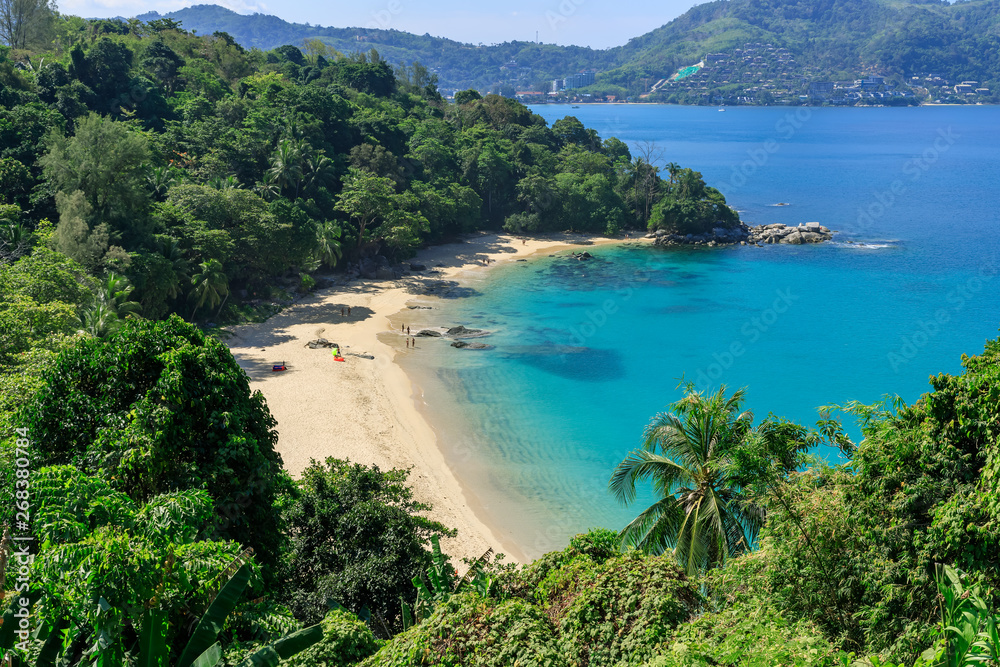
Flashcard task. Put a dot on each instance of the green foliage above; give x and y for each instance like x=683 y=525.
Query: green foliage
x=691 y=207
x=346 y=641
x=357 y=538
x=105 y=163
x=702 y=517
x=158 y=407
x=970 y=630
x=564 y=609
x=38 y=294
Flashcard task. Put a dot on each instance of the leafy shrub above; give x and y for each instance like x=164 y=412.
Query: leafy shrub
x=346 y=641
x=565 y=609
x=468 y=630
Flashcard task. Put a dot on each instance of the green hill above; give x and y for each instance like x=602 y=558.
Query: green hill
x=825 y=40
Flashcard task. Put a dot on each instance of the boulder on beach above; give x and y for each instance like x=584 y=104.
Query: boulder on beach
x=320 y=342
x=429 y=333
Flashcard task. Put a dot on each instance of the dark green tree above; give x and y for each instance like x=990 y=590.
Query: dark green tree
x=159 y=407
x=357 y=538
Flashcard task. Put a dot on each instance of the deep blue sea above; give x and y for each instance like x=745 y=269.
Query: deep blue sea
x=587 y=352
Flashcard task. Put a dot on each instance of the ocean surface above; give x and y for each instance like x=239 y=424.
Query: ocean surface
x=587 y=352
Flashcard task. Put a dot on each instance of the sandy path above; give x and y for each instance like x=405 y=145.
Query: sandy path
x=361 y=409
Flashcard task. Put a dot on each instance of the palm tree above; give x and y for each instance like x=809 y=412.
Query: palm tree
x=328 y=247
x=286 y=165
x=171 y=250
x=99 y=319
x=702 y=515
x=161 y=179
x=15 y=239
x=210 y=286
x=115 y=293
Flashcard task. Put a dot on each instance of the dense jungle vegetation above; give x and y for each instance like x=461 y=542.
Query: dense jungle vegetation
x=148 y=173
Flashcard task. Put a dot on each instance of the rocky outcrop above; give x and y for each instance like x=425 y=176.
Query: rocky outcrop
x=581 y=255
x=429 y=333
x=718 y=236
x=809 y=232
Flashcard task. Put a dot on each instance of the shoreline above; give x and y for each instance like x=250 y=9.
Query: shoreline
x=369 y=410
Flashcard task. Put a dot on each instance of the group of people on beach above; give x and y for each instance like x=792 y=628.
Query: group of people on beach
x=410 y=341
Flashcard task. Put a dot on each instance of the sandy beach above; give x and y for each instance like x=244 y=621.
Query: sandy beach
x=365 y=410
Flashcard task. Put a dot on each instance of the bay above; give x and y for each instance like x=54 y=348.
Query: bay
x=587 y=352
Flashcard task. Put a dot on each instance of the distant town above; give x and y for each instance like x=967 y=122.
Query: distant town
x=756 y=74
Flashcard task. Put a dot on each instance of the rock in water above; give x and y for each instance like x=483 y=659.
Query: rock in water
x=462 y=331
x=462 y=345
x=429 y=333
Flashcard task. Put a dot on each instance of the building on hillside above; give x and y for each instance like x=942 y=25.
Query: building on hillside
x=820 y=90
x=579 y=80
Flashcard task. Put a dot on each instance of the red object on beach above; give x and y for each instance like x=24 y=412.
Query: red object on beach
x=339 y=359
x=278 y=367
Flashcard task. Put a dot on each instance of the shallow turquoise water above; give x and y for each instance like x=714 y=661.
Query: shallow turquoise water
x=587 y=352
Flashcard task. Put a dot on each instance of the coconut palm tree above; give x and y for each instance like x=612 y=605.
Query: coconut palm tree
x=99 y=319
x=328 y=249
x=115 y=292
x=210 y=286
x=702 y=516
x=286 y=165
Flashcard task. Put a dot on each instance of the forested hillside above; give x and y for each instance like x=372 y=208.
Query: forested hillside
x=829 y=40
x=184 y=173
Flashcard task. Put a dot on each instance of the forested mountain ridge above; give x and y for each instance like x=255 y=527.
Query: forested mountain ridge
x=828 y=39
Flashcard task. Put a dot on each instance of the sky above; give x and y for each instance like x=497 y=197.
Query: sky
x=595 y=23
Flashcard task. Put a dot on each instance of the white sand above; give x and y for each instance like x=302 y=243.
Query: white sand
x=364 y=410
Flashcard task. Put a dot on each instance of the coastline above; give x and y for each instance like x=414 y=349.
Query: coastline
x=369 y=410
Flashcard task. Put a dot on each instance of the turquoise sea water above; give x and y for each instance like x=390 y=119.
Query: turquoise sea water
x=587 y=352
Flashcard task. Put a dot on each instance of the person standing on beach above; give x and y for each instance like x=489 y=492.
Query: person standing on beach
x=341 y=312
x=407 y=331
x=348 y=311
